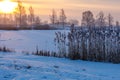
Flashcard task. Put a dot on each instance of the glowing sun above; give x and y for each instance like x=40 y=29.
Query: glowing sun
x=7 y=6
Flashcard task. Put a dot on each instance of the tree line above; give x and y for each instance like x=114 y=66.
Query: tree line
x=88 y=19
x=61 y=20
x=96 y=40
x=100 y=21
x=93 y=44
x=23 y=17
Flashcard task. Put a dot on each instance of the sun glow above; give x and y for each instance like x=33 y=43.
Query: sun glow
x=7 y=6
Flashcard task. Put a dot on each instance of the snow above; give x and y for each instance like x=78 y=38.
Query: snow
x=28 y=40
x=17 y=66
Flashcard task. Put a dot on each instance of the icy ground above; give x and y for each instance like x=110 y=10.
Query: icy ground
x=17 y=66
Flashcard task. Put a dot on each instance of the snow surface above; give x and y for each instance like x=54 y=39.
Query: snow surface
x=28 y=40
x=17 y=66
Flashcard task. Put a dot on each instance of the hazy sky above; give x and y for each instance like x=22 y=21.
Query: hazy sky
x=74 y=8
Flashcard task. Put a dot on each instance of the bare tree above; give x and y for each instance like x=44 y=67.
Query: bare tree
x=23 y=17
x=110 y=20
x=31 y=16
x=89 y=22
x=87 y=19
x=37 y=20
x=100 y=21
x=20 y=14
x=5 y=18
x=53 y=17
x=0 y=17
x=117 y=24
x=62 y=18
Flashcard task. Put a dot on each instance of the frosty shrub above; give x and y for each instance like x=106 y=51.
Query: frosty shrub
x=60 y=41
x=91 y=43
x=5 y=49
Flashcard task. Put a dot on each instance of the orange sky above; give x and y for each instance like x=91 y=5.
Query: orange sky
x=74 y=8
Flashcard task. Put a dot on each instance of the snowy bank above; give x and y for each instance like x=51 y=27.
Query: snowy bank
x=15 y=66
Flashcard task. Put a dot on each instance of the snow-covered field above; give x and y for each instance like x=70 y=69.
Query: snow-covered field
x=14 y=66
x=19 y=66
x=28 y=40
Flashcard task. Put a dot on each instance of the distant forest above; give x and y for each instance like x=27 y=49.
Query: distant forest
x=23 y=18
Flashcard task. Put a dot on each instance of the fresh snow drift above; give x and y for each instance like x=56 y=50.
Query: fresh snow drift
x=15 y=66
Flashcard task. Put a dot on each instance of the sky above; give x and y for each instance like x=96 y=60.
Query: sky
x=74 y=8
